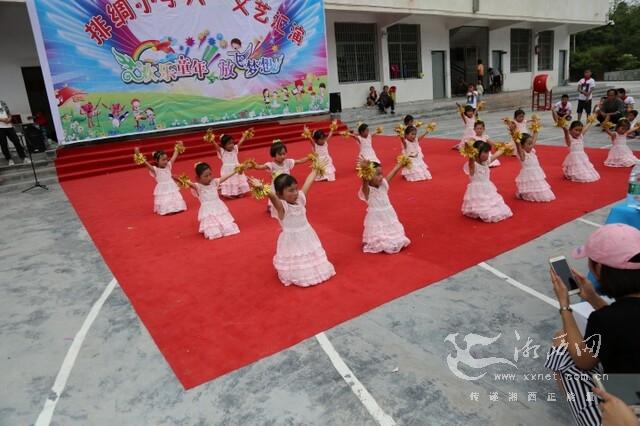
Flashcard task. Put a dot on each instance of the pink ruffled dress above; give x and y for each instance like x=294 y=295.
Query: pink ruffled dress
x=166 y=196
x=214 y=216
x=419 y=169
x=366 y=149
x=323 y=156
x=531 y=182
x=481 y=199
x=300 y=259
x=576 y=165
x=383 y=232
x=620 y=155
x=236 y=184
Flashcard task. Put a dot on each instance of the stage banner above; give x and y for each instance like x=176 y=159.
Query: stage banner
x=121 y=67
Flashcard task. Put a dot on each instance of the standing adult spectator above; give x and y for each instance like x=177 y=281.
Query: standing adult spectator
x=585 y=93
x=495 y=80
x=612 y=337
x=480 y=72
x=386 y=101
x=612 y=108
x=7 y=131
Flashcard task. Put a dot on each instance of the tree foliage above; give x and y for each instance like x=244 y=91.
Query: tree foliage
x=613 y=47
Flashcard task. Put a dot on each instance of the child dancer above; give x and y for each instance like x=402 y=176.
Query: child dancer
x=468 y=115
x=280 y=164
x=411 y=148
x=365 y=141
x=320 y=144
x=300 y=258
x=214 y=216
x=166 y=196
x=383 y=232
x=481 y=199
x=480 y=135
x=576 y=166
x=620 y=155
x=531 y=182
x=227 y=151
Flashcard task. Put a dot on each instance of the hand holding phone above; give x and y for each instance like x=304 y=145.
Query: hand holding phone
x=561 y=268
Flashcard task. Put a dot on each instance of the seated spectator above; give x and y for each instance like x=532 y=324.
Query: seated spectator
x=612 y=108
x=372 y=97
x=613 y=331
x=386 y=101
x=628 y=100
x=563 y=108
x=632 y=116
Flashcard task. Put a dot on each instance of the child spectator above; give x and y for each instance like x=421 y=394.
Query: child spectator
x=628 y=100
x=563 y=108
x=372 y=97
x=585 y=90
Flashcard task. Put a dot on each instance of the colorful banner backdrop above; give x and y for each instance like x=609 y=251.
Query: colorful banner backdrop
x=119 y=67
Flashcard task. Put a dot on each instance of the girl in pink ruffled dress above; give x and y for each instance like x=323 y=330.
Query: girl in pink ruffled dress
x=227 y=151
x=411 y=148
x=531 y=183
x=481 y=199
x=480 y=135
x=576 y=165
x=620 y=155
x=365 y=142
x=383 y=232
x=214 y=216
x=300 y=259
x=320 y=145
x=166 y=195
x=468 y=115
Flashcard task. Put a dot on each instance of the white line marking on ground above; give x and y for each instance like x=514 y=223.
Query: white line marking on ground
x=44 y=419
x=606 y=146
x=358 y=389
x=588 y=222
x=519 y=285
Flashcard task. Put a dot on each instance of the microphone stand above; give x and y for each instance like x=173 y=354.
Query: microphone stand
x=37 y=183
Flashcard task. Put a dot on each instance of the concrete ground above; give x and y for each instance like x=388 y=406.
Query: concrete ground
x=386 y=367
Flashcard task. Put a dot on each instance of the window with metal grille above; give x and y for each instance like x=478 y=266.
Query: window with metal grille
x=356 y=52
x=404 y=51
x=545 y=50
x=520 y=50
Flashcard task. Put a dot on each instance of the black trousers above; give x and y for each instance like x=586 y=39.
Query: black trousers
x=384 y=105
x=11 y=134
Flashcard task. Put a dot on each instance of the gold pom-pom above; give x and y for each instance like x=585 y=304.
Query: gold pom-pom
x=562 y=122
x=400 y=130
x=504 y=147
x=418 y=124
x=507 y=121
x=535 y=125
x=404 y=161
x=313 y=156
x=467 y=149
x=345 y=133
x=209 y=137
x=516 y=135
x=333 y=126
x=481 y=105
x=460 y=109
x=431 y=127
x=366 y=170
x=179 y=147
x=248 y=134
x=249 y=164
x=591 y=119
x=139 y=158
x=260 y=191
x=608 y=125
x=239 y=169
x=307 y=133
x=319 y=167
x=379 y=130
x=359 y=123
x=183 y=181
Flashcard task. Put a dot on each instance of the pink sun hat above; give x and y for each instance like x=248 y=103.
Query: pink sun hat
x=612 y=245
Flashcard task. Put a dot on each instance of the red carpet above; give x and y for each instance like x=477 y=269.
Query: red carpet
x=215 y=306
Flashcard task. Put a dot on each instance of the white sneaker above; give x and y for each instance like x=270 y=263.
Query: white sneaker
x=26 y=161
x=11 y=163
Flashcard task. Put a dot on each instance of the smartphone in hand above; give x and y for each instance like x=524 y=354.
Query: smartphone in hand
x=561 y=268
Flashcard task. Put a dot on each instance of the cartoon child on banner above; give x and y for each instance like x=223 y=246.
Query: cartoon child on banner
x=266 y=96
x=298 y=91
x=285 y=100
x=151 y=117
x=322 y=88
x=274 y=102
x=90 y=111
x=117 y=116
x=138 y=115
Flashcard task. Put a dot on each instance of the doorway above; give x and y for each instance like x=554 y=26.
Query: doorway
x=468 y=46
x=562 y=68
x=438 y=74
x=37 y=96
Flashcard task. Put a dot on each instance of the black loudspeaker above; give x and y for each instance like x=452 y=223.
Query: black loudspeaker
x=34 y=137
x=335 y=103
